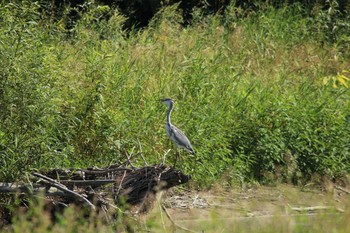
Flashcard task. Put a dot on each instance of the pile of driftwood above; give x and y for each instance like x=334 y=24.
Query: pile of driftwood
x=98 y=188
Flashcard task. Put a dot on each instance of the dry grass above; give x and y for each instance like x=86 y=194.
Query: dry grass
x=255 y=209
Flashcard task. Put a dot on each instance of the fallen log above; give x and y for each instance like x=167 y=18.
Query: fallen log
x=98 y=188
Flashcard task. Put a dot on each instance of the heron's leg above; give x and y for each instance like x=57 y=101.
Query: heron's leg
x=180 y=158
x=177 y=156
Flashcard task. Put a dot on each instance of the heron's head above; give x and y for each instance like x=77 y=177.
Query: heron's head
x=167 y=101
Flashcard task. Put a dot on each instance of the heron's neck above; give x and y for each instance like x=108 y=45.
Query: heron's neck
x=171 y=106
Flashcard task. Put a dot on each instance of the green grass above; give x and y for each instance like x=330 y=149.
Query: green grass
x=254 y=92
x=262 y=95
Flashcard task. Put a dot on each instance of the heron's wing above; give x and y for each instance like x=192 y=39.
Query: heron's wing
x=181 y=139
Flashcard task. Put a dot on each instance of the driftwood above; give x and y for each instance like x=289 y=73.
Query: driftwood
x=316 y=208
x=98 y=188
x=342 y=189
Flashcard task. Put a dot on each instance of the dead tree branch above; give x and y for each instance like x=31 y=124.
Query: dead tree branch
x=63 y=188
x=99 y=187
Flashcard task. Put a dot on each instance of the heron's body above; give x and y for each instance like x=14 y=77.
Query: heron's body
x=175 y=134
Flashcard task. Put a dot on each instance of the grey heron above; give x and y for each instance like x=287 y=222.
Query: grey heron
x=175 y=134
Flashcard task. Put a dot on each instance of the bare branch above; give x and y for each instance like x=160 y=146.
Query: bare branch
x=63 y=188
x=144 y=160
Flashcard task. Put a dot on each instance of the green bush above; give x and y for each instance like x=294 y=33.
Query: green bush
x=249 y=89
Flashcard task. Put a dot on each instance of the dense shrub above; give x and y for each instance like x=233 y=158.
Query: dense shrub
x=259 y=94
